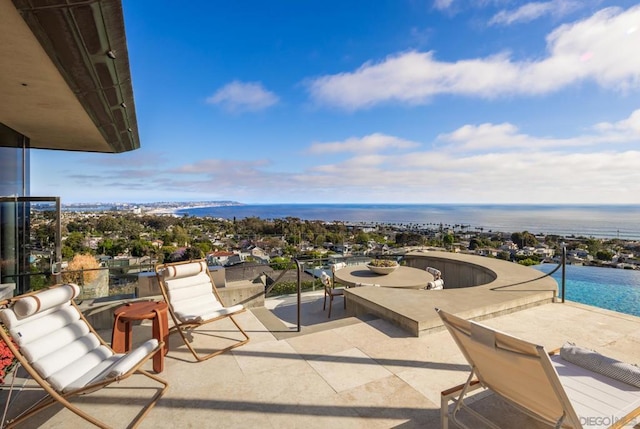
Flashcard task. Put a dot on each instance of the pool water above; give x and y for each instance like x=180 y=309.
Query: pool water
x=610 y=288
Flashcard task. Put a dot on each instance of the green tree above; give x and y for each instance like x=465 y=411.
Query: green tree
x=139 y=248
x=75 y=241
x=604 y=255
x=180 y=235
x=281 y=263
x=524 y=239
x=167 y=251
x=475 y=243
x=504 y=255
x=528 y=262
x=448 y=240
x=593 y=245
x=67 y=252
x=362 y=238
x=107 y=224
x=191 y=253
x=204 y=246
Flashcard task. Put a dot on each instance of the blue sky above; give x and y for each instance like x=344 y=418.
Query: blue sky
x=395 y=101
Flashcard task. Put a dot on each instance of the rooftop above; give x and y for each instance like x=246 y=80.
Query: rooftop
x=66 y=84
x=348 y=373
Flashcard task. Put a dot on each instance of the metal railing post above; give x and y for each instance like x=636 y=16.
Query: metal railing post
x=299 y=272
x=564 y=269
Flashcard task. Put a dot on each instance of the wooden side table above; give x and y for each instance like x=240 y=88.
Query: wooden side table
x=136 y=311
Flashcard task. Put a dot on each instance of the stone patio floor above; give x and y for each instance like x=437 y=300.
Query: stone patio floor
x=348 y=373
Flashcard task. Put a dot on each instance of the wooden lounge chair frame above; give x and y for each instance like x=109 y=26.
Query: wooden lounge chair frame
x=526 y=376
x=54 y=396
x=183 y=326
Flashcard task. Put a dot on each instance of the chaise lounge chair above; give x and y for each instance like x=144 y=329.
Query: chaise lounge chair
x=546 y=387
x=62 y=353
x=193 y=299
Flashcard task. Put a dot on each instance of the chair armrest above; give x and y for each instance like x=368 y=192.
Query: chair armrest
x=475 y=383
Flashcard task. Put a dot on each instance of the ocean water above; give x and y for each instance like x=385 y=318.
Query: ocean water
x=610 y=288
x=600 y=221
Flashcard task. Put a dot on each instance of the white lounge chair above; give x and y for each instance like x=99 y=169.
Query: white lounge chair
x=545 y=387
x=193 y=299
x=61 y=352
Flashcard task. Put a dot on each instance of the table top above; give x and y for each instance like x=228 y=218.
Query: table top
x=140 y=309
x=403 y=277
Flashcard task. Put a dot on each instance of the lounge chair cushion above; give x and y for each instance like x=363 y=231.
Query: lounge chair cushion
x=191 y=295
x=31 y=330
x=435 y=285
x=79 y=369
x=594 y=361
x=101 y=364
x=184 y=270
x=65 y=355
x=325 y=279
x=45 y=300
x=55 y=340
x=126 y=362
x=434 y=272
x=338 y=266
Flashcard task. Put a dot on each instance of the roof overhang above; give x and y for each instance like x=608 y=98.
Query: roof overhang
x=65 y=81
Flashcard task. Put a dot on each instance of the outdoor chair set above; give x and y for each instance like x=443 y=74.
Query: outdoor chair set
x=49 y=336
x=52 y=340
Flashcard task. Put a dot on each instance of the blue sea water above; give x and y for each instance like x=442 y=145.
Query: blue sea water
x=600 y=221
x=610 y=288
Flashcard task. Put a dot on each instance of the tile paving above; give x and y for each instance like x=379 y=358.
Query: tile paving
x=348 y=373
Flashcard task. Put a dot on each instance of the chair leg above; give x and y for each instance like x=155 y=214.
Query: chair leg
x=181 y=329
x=324 y=305
x=330 y=305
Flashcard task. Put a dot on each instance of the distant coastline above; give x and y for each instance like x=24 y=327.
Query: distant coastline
x=598 y=221
x=162 y=207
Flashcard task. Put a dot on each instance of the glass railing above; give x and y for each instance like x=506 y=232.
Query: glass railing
x=30 y=237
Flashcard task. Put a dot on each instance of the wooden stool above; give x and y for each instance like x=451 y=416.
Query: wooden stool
x=143 y=310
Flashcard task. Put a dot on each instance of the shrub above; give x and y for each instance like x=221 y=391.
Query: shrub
x=383 y=263
x=81 y=261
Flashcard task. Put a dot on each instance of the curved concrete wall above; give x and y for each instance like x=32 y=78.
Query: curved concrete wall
x=456 y=273
x=475 y=287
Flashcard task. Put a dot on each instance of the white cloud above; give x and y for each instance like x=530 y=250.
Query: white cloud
x=371 y=143
x=442 y=4
x=601 y=49
x=507 y=137
x=473 y=163
x=534 y=10
x=243 y=96
x=629 y=126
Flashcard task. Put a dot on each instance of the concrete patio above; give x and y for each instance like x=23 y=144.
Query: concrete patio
x=346 y=373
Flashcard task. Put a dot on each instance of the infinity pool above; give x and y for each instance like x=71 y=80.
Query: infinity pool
x=610 y=288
